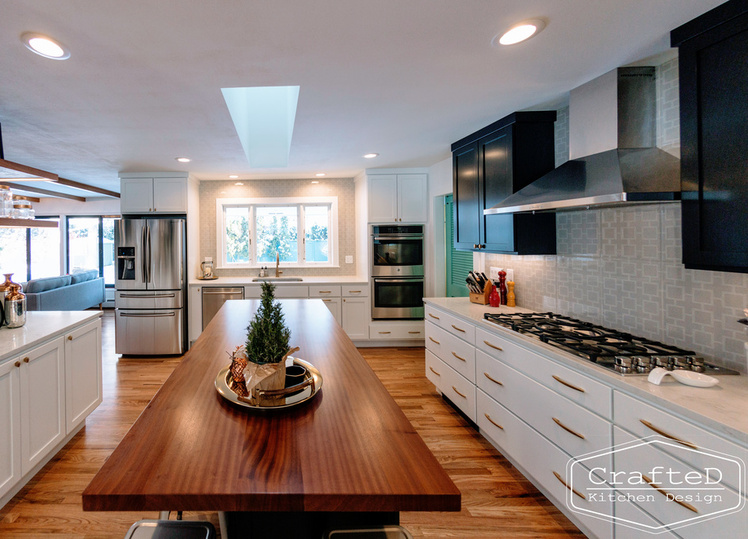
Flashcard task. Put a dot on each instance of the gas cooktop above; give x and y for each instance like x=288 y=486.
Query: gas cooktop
x=615 y=350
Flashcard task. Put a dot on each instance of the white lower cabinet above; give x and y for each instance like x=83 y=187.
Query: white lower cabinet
x=10 y=425
x=356 y=317
x=452 y=384
x=395 y=330
x=334 y=305
x=83 y=381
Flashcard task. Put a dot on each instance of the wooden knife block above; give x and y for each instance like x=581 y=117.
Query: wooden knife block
x=481 y=299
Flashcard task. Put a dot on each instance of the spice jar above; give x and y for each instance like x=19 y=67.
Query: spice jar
x=6 y=201
x=15 y=307
x=22 y=210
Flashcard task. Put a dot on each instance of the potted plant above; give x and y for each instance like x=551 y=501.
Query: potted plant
x=264 y=355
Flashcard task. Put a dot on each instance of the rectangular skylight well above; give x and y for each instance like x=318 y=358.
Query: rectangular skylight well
x=264 y=117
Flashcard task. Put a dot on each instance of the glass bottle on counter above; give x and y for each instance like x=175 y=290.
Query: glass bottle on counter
x=6 y=201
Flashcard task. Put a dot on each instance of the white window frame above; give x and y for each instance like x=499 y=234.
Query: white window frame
x=299 y=202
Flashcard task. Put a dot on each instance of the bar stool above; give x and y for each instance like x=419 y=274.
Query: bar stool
x=171 y=529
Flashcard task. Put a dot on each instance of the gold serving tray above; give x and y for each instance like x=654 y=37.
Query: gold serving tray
x=312 y=384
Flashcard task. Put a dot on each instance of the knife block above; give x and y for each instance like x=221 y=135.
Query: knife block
x=481 y=299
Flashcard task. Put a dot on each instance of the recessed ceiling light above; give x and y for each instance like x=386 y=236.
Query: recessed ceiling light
x=519 y=32
x=370 y=155
x=320 y=174
x=183 y=159
x=315 y=181
x=45 y=46
x=238 y=183
x=233 y=177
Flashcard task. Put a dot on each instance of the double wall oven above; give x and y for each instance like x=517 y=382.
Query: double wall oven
x=397 y=272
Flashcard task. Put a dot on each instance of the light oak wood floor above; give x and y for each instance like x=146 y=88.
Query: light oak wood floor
x=497 y=501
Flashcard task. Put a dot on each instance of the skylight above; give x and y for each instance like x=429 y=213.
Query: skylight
x=264 y=118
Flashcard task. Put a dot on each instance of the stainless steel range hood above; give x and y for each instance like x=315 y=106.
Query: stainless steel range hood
x=612 y=126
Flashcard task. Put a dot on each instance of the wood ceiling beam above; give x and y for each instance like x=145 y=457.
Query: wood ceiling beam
x=29 y=172
x=84 y=187
x=21 y=187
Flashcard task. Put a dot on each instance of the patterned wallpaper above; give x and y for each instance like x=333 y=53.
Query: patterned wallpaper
x=621 y=267
x=342 y=188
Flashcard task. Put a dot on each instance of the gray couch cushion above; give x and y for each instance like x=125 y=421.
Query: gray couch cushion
x=84 y=275
x=47 y=283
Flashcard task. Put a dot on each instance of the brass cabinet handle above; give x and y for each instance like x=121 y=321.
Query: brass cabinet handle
x=500 y=349
x=460 y=394
x=414 y=333
x=327 y=300
x=458 y=357
x=325 y=292
x=17 y=363
x=458 y=329
x=668 y=495
x=494 y=380
x=434 y=340
x=567 y=384
x=666 y=435
x=70 y=337
x=434 y=316
x=26 y=360
x=567 y=486
x=385 y=332
x=567 y=429
x=494 y=423
x=432 y=370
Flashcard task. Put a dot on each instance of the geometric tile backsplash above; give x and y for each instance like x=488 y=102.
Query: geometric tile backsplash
x=621 y=268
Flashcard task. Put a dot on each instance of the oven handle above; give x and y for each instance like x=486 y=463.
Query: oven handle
x=380 y=238
x=398 y=280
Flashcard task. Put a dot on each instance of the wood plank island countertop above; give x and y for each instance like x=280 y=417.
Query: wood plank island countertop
x=349 y=449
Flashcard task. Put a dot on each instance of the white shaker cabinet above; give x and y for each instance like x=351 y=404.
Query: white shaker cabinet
x=10 y=425
x=355 y=312
x=153 y=193
x=398 y=198
x=83 y=381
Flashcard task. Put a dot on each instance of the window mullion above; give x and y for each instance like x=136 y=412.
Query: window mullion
x=301 y=235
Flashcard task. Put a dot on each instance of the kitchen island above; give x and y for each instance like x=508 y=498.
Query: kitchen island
x=348 y=455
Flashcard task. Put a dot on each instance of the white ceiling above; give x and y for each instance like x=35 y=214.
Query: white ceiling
x=404 y=78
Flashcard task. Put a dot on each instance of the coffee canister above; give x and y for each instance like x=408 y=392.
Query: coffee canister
x=15 y=307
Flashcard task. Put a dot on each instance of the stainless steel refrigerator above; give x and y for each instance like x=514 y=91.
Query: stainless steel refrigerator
x=150 y=287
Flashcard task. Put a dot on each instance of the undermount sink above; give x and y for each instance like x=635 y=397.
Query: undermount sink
x=277 y=279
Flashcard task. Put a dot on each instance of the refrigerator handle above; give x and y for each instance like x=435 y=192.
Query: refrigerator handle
x=148 y=247
x=143 y=269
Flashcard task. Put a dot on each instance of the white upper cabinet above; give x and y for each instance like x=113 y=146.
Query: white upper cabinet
x=153 y=194
x=398 y=198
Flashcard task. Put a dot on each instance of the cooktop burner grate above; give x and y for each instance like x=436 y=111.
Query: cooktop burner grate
x=617 y=350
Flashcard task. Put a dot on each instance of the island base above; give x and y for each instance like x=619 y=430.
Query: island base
x=301 y=524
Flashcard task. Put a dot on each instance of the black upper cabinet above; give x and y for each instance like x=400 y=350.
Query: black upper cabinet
x=713 y=65
x=492 y=164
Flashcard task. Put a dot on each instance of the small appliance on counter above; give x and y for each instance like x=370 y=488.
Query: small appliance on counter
x=206 y=267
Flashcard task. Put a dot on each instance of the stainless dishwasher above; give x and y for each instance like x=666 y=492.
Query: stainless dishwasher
x=215 y=296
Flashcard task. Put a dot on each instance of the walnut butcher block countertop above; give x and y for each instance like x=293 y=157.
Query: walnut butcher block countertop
x=349 y=449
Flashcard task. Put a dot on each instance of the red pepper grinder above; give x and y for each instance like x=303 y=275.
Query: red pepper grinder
x=494 y=299
x=502 y=286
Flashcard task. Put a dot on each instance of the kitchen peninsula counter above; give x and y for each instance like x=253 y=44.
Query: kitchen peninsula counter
x=250 y=280
x=721 y=408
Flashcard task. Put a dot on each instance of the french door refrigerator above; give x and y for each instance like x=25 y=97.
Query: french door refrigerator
x=150 y=286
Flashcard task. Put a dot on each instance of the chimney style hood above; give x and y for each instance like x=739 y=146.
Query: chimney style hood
x=612 y=142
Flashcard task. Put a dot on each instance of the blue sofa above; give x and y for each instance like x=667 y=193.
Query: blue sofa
x=73 y=292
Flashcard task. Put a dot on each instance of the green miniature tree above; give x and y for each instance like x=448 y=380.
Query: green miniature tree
x=267 y=334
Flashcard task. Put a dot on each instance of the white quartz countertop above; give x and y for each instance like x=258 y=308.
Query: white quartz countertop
x=722 y=408
x=249 y=280
x=40 y=327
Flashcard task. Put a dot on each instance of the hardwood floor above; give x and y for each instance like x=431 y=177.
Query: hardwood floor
x=497 y=501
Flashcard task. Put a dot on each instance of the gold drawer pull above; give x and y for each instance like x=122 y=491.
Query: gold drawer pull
x=494 y=423
x=458 y=357
x=17 y=364
x=70 y=337
x=668 y=495
x=26 y=360
x=567 y=486
x=460 y=394
x=432 y=370
x=567 y=429
x=354 y=291
x=434 y=316
x=500 y=349
x=666 y=435
x=458 y=329
x=414 y=333
x=325 y=292
x=567 y=384
x=492 y=379
x=385 y=332
x=434 y=340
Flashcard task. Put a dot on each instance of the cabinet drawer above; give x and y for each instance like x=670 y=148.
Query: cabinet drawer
x=435 y=370
x=458 y=327
x=574 y=429
x=324 y=291
x=452 y=385
x=354 y=290
x=645 y=459
x=575 y=386
x=396 y=330
x=453 y=351
x=643 y=420
x=499 y=425
x=291 y=292
x=628 y=511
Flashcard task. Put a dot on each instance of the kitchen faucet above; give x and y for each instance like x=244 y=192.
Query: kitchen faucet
x=277 y=263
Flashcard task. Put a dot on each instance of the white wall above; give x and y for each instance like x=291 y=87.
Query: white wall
x=440 y=184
